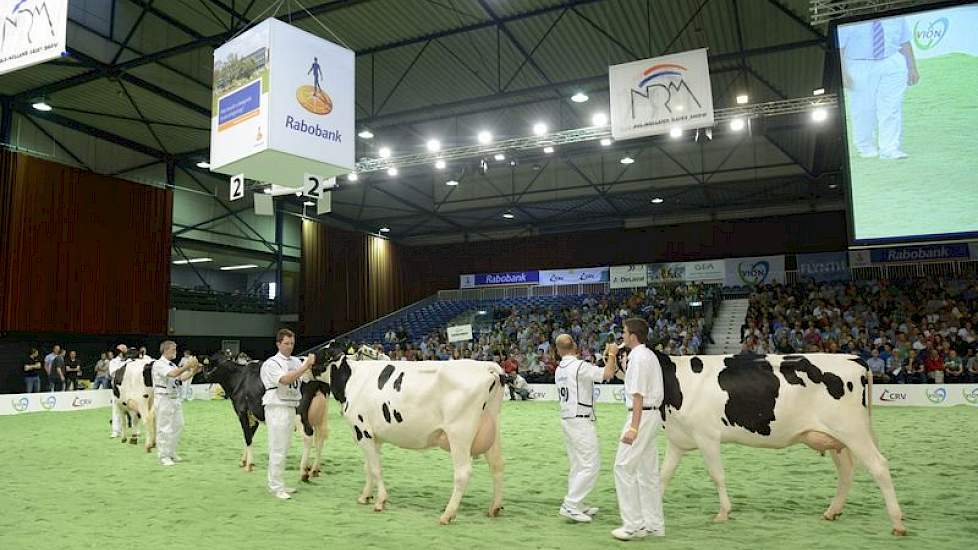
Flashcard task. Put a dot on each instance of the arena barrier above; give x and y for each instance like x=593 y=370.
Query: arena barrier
x=906 y=395
x=17 y=403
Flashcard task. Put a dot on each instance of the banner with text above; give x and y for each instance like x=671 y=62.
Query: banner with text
x=507 y=278
x=553 y=277
x=31 y=32
x=460 y=333
x=760 y=270
x=654 y=96
x=828 y=266
x=709 y=270
x=666 y=272
x=629 y=276
x=923 y=253
x=17 y=403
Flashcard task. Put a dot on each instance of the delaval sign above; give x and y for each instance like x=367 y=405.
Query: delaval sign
x=927 y=253
x=629 y=276
x=829 y=266
x=509 y=278
x=553 y=277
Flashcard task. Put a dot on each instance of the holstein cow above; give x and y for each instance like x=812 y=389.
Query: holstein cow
x=242 y=384
x=774 y=401
x=133 y=390
x=419 y=405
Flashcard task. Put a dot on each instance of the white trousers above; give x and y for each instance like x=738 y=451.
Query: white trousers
x=169 y=425
x=637 y=476
x=581 y=438
x=279 y=420
x=876 y=103
x=116 y=419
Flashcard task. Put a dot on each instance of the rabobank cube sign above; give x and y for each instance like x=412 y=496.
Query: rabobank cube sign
x=283 y=106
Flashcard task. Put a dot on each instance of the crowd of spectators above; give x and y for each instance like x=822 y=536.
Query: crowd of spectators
x=520 y=337
x=911 y=331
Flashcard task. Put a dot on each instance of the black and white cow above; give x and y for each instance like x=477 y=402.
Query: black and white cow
x=454 y=405
x=132 y=386
x=242 y=384
x=774 y=401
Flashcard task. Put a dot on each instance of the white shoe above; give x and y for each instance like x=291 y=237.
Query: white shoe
x=177 y=459
x=115 y=435
x=656 y=532
x=894 y=155
x=283 y=495
x=626 y=534
x=869 y=154
x=167 y=461
x=290 y=490
x=574 y=515
x=591 y=510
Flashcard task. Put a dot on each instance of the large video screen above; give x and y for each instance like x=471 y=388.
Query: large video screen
x=910 y=89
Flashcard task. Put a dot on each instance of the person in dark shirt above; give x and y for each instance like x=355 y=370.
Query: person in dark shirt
x=72 y=371
x=32 y=372
x=56 y=378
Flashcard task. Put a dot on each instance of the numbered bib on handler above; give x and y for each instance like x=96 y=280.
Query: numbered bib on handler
x=290 y=392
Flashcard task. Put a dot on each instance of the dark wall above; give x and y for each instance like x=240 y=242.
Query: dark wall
x=432 y=268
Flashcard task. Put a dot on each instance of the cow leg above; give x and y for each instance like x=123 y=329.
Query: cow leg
x=461 y=445
x=371 y=452
x=711 y=456
x=247 y=461
x=368 y=485
x=494 y=456
x=865 y=451
x=304 y=467
x=149 y=418
x=319 y=441
x=673 y=455
x=846 y=468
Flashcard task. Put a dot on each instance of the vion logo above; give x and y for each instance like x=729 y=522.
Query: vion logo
x=970 y=397
x=754 y=274
x=658 y=86
x=930 y=37
x=937 y=396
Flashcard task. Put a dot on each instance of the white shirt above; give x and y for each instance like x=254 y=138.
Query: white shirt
x=857 y=39
x=643 y=377
x=115 y=364
x=575 y=387
x=163 y=385
x=272 y=370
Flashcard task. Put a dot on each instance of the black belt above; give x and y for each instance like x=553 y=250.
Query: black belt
x=648 y=408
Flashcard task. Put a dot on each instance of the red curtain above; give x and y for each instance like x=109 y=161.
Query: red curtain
x=80 y=252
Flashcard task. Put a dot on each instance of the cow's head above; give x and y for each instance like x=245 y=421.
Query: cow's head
x=339 y=374
x=217 y=367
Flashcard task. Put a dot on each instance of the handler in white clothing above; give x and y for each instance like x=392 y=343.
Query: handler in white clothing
x=575 y=380
x=167 y=381
x=637 y=461
x=115 y=364
x=877 y=66
x=280 y=375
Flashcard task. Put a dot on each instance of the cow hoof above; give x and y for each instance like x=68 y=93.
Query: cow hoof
x=831 y=516
x=124 y=441
x=363 y=500
x=900 y=532
x=133 y=441
x=445 y=519
x=315 y=473
x=250 y=468
x=305 y=478
x=721 y=517
x=242 y=463
x=380 y=505
x=494 y=512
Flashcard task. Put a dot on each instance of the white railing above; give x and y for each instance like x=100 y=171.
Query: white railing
x=942 y=270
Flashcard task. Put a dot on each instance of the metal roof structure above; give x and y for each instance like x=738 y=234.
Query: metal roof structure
x=132 y=98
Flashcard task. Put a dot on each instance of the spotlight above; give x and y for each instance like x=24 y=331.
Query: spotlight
x=499 y=156
x=309 y=203
x=605 y=142
x=484 y=137
x=742 y=99
x=548 y=149
x=433 y=145
x=384 y=152
x=203 y=164
x=539 y=129
x=440 y=164
x=508 y=215
x=820 y=114
x=385 y=229
x=833 y=186
x=737 y=124
x=352 y=177
x=392 y=171
x=267 y=190
x=366 y=134
x=41 y=105
x=599 y=119
x=626 y=160
x=451 y=183
x=818 y=91
x=657 y=200
x=676 y=132
x=579 y=97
